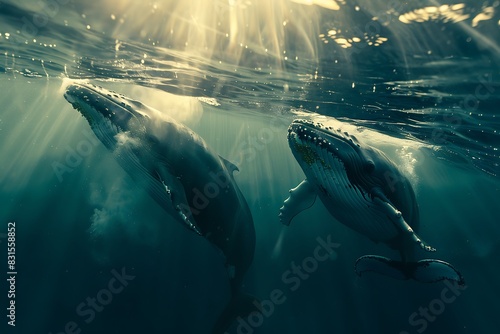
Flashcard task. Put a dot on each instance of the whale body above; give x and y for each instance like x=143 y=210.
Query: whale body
x=364 y=190
x=181 y=173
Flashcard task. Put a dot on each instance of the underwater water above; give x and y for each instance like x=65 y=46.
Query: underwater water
x=418 y=80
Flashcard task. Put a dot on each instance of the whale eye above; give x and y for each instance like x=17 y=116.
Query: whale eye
x=369 y=166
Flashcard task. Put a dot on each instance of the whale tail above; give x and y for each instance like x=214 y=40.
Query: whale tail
x=426 y=271
x=240 y=305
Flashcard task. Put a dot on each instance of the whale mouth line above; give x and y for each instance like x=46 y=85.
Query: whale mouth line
x=108 y=113
x=95 y=96
x=319 y=136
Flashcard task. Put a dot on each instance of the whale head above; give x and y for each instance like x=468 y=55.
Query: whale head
x=110 y=115
x=310 y=141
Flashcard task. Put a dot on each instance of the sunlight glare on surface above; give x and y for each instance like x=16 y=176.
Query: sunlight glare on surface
x=228 y=30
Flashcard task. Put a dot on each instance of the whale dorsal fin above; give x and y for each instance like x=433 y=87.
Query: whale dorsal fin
x=302 y=197
x=229 y=165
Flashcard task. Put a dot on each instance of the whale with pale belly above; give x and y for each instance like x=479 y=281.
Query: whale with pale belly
x=364 y=190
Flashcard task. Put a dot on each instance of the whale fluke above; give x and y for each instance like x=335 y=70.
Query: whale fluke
x=426 y=271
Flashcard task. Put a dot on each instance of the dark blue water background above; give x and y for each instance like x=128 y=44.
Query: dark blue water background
x=419 y=80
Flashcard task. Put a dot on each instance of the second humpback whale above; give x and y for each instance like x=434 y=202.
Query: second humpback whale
x=365 y=191
x=181 y=173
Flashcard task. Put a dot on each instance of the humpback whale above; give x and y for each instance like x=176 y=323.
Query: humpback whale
x=364 y=190
x=181 y=173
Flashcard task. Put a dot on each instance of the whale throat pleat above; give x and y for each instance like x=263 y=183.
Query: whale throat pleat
x=364 y=216
x=143 y=177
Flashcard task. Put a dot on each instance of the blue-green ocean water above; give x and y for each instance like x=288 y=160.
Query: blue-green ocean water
x=418 y=80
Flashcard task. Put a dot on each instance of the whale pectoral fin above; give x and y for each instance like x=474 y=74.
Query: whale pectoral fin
x=425 y=271
x=397 y=218
x=177 y=198
x=301 y=198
